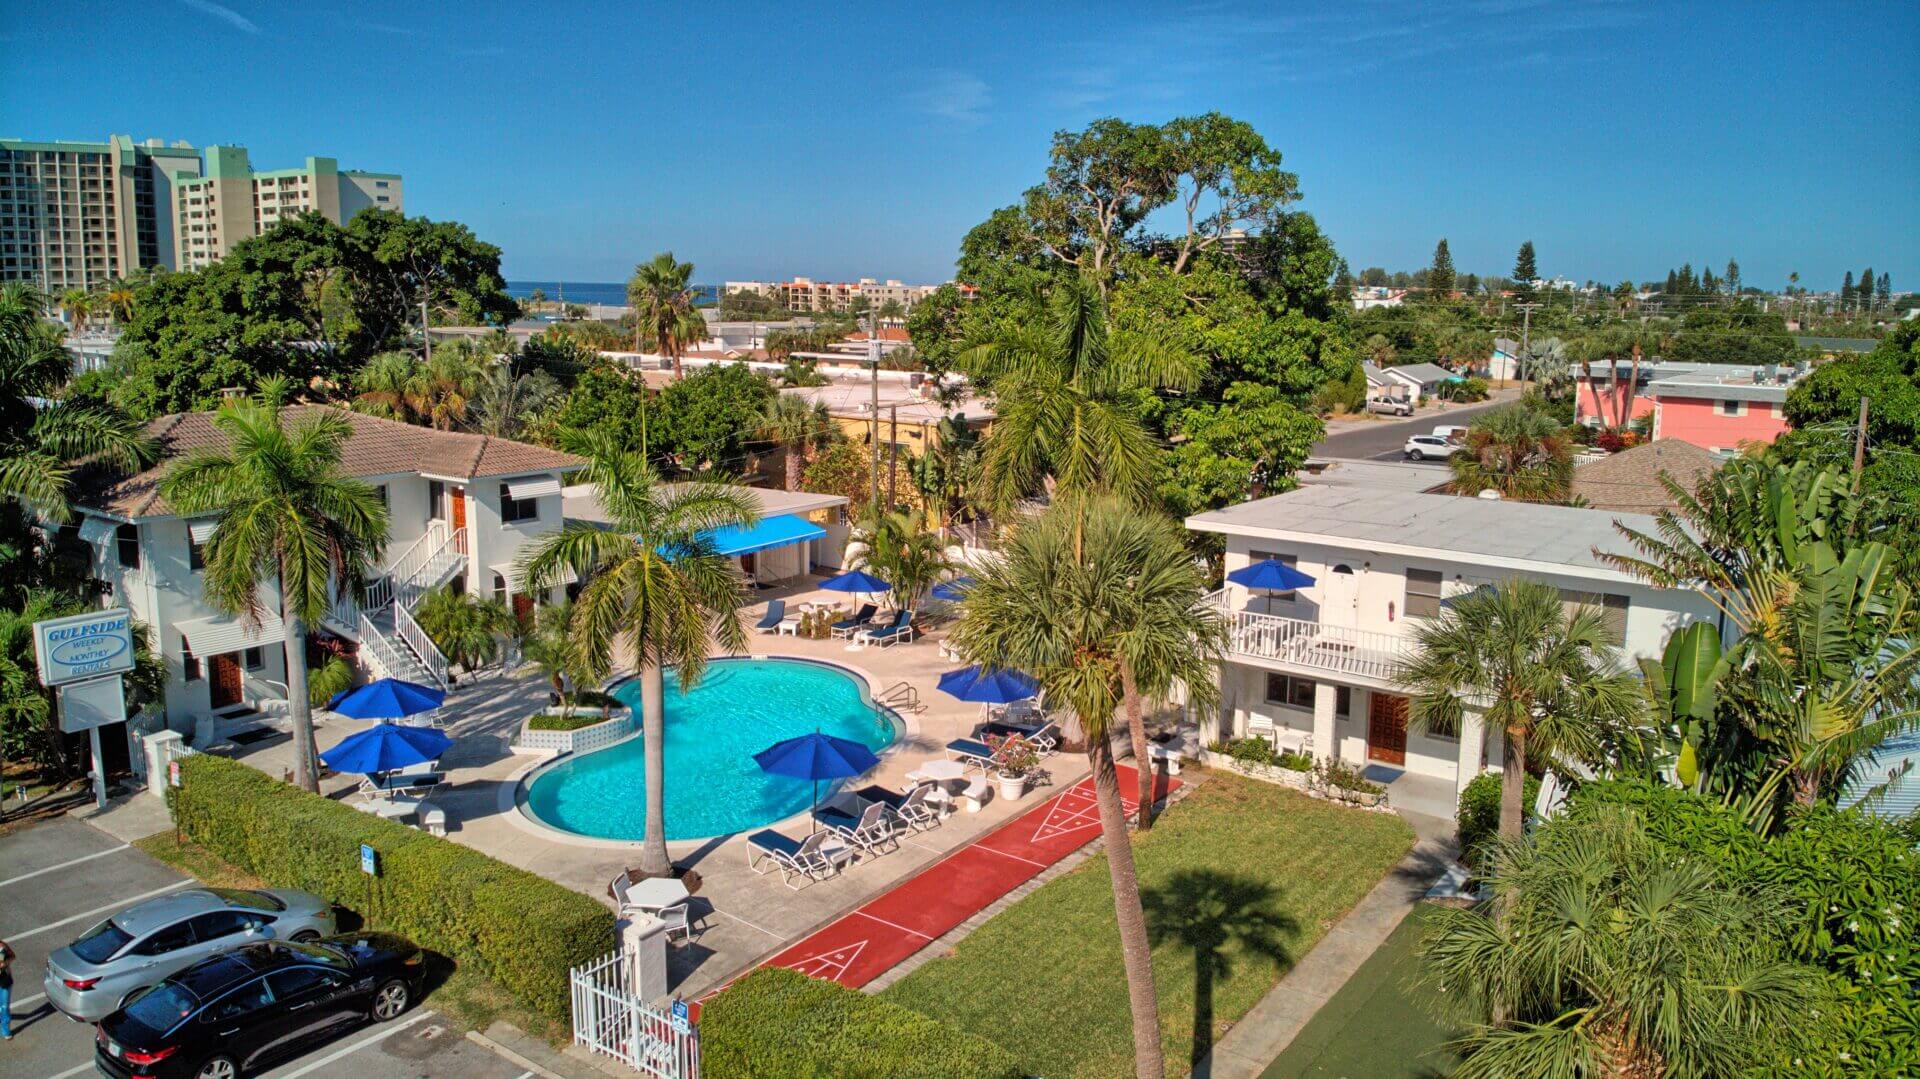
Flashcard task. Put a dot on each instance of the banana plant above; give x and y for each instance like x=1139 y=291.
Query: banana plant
x=1683 y=692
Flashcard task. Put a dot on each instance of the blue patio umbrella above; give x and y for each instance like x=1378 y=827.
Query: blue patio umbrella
x=988 y=685
x=953 y=591
x=384 y=747
x=1270 y=575
x=816 y=757
x=855 y=581
x=387 y=698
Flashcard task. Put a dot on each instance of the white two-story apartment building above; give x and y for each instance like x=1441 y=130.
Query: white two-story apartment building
x=460 y=508
x=1314 y=670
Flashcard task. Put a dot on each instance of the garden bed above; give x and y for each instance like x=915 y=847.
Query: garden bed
x=558 y=731
x=1335 y=781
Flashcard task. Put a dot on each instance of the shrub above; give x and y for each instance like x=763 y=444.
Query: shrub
x=549 y=721
x=777 y=1022
x=523 y=931
x=1339 y=775
x=1294 y=762
x=1245 y=750
x=1479 y=814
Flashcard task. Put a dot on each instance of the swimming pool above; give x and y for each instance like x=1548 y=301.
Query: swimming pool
x=740 y=707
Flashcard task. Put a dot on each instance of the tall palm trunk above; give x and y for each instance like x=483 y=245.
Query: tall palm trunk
x=1135 y=952
x=654 y=860
x=301 y=709
x=1137 y=733
x=1513 y=783
x=795 y=457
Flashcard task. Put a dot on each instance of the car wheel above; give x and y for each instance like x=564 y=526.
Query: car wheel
x=1416 y=455
x=218 y=1068
x=305 y=936
x=390 y=1000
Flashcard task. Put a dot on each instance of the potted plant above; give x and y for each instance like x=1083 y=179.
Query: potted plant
x=1014 y=759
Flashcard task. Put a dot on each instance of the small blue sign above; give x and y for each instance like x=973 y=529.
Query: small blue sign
x=369 y=860
x=680 y=1022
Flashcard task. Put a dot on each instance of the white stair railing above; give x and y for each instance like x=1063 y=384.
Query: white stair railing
x=423 y=647
x=407 y=652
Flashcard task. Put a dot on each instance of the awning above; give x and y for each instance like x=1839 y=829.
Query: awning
x=782 y=531
x=95 y=529
x=507 y=574
x=533 y=487
x=214 y=636
x=201 y=531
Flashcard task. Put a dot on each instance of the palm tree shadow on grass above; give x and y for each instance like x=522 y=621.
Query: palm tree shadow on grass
x=1208 y=912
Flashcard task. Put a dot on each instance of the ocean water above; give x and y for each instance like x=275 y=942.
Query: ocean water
x=603 y=292
x=739 y=707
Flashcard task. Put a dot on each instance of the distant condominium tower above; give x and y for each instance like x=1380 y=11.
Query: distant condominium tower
x=77 y=214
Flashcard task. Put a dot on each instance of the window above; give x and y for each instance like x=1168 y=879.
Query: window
x=248 y=998
x=127 y=538
x=1423 y=593
x=380 y=491
x=513 y=510
x=499 y=588
x=1733 y=408
x=1613 y=609
x=222 y=923
x=253 y=659
x=288 y=984
x=189 y=665
x=1290 y=561
x=196 y=555
x=170 y=939
x=1299 y=692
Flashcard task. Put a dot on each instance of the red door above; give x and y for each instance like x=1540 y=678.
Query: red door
x=522 y=606
x=458 y=496
x=1386 y=728
x=224 y=678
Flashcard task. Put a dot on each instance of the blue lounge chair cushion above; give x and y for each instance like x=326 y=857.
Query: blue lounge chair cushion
x=776 y=613
x=774 y=842
x=860 y=618
x=1024 y=730
x=970 y=748
x=836 y=818
x=877 y=793
x=901 y=624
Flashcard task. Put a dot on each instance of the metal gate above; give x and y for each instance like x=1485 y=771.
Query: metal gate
x=608 y=1019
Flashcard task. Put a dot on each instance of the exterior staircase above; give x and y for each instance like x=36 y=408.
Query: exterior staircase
x=391 y=642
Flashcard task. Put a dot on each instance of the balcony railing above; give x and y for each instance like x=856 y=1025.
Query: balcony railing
x=1340 y=650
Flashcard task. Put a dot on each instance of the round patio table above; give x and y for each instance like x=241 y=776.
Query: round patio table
x=656 y=893
x=943 y=771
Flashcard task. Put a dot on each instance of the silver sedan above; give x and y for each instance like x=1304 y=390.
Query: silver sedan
x=141 y=946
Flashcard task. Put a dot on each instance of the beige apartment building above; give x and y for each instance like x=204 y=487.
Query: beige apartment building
x=79 y=214
x=806 y=294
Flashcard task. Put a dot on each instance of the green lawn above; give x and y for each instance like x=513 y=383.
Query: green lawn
x=1373 y=1027
x=1240 y=879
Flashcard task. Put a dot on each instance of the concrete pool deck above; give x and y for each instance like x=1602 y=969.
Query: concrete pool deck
x=748 y=916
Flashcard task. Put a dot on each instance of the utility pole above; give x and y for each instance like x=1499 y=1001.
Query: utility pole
x=1526 y=326
x=893 y=456
x=873 y=361
x=1860 y=446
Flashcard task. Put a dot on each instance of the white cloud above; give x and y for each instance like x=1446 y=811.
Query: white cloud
x=224 y=14
x=954 y=96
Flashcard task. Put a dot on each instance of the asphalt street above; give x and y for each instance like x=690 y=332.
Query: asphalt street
x=1382 y=440
x=60 y=877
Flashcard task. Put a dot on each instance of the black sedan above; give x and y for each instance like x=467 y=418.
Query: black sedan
x=239 y=1011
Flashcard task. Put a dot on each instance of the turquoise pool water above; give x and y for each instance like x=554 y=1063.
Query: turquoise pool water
x=740 y=707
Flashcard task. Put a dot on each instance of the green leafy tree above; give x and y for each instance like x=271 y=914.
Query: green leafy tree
x=1082 y=597
x=290 y=522
x=1547 y=680
x=1602 y=955
x=706 y=420
x=607 y=399
x=1516 y=450
x=1524 y=273
x=1440 y=274
x=1248 y=446
x=664 y=316
x=798 y=426
x=656 y=589
x=395 y=264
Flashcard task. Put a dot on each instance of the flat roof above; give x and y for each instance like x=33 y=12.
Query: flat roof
x=853 y=398
x=1518 y=535
x=1729 y=389
x=581 y=502
x=1379 y=475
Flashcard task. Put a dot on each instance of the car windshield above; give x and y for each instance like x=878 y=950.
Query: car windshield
x=102 y=942
x=162 y=1009
x=248 y=898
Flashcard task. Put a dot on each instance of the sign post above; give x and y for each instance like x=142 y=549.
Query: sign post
x=83 y=657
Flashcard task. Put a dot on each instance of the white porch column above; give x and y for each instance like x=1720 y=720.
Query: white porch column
x=1326 y=697
x=1472 y=745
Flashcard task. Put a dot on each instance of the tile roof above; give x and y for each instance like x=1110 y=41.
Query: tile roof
x=1629 y=480
x=377 y=447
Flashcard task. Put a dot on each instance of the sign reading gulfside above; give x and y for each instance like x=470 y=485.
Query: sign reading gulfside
x=83 y=646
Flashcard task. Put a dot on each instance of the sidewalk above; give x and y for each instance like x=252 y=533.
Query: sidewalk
x=1272 y=1024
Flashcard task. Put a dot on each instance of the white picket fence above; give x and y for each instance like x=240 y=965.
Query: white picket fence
x=608 y=1019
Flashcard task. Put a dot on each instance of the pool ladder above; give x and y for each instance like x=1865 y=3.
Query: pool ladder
x=901 y=697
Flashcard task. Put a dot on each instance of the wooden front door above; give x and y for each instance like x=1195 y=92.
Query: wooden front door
x=458 y=497
x=1386 y=728
x=522 y=605
x=225 y=678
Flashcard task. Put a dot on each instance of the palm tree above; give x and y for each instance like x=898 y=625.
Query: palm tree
x=1603 y=955
x=663 y=311
x=42 y=437
x=449 y=381
x=1518 y=451
x=79 y=305
x=549 y=644
x=1379 y=350
x=387 y=386
x=1065 y=392
x=504 y=400
x=1056 y=604
x=119 y=297
x=899 y=549
x=466 y=628
x=655 y=587
x=1547 y=680
x=287 y=517
x=797 y=425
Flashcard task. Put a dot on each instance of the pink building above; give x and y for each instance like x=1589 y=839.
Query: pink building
x=1597 y=400
x=1720 y=413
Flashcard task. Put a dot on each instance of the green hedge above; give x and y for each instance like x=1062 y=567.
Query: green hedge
x=777 y=1022
x=524 y=931
x=1478 y=817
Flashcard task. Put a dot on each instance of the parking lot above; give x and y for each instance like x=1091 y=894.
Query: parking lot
x=59 y=877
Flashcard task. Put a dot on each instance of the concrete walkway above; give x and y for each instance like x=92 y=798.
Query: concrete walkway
x=1266 y=1030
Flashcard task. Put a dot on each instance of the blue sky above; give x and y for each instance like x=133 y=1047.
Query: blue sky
x=839 y=141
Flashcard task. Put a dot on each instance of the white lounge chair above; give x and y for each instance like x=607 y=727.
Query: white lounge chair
x=814 y=858
x=872 y=831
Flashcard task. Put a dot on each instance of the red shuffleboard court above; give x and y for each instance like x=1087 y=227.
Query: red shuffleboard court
x=869 y=941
